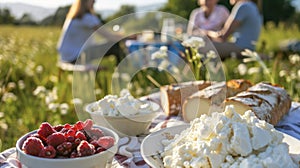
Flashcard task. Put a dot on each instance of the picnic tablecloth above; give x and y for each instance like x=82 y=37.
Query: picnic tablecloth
x=129 y=156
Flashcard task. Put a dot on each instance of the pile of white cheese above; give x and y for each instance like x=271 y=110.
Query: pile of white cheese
x=123 y=105
x=226 y=140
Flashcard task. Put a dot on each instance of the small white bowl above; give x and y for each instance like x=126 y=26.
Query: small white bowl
x=124 y=125
x=99 y=160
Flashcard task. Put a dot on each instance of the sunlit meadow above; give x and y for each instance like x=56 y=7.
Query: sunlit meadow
x=31 y=90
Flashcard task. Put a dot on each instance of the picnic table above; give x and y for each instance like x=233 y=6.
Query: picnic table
x=129 y=156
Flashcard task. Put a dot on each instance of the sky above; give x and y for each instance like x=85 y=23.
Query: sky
x=297 y=4
x=100 y=4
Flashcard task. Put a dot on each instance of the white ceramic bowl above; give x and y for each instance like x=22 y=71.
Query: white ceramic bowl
x=124 y=125
x=100 y=160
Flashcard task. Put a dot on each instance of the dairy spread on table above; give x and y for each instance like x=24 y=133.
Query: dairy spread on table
x=226 y=140
x=123 y=105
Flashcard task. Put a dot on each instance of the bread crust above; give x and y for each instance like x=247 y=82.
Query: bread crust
x=269 y=102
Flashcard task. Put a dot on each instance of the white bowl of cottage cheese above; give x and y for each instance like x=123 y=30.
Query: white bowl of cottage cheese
x=124 y=114
x=222 y=140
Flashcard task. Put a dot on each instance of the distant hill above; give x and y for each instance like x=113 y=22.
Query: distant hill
x=108 y=12
x=152 y=7
x=37 y=13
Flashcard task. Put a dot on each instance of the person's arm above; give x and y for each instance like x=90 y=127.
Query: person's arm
x=193 y=28
x=230 y=26
x=237 y=16
x=107 y=34
x=90 y=21
x=191 y=23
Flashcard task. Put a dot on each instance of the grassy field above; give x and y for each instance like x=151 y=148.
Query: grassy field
x=32 y=92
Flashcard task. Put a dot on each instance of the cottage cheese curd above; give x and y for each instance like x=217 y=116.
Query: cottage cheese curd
x=228 y=140
x=124 y=105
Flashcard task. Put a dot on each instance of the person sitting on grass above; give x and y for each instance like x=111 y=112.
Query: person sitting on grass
x=244 y=24
x=209 y=16
x=81 y=22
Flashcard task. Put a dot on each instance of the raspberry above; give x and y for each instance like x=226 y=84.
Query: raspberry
x=77 y=141
x=48 y=152
x=35 y=135
x=100 y=149
x=70 y=132
x=56 y=139
x=74 y=154
x=64 y=130
x=85 y=149
x=67 y=126
x=106 y=141
x=94 y=133
x=65 y=148
x=95 y=143
x=78 y=126
x=88 y=124
x=80 y=135
x=45 y=130
x=67 y=145
x=60 y=149
x=58 y=128
x=32 y=146
x=70 y=139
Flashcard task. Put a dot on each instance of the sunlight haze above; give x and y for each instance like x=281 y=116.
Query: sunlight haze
x=100 y=4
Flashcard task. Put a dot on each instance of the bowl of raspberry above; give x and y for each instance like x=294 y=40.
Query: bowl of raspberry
x=69 y=146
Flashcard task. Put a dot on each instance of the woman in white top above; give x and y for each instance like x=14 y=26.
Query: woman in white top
x=209 y=16
x=81 y=22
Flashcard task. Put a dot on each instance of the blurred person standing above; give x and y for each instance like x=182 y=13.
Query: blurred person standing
x=209 y=16
x=80 y=23
x=243 y=25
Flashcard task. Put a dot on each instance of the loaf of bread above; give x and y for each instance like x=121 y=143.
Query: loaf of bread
x=236 y=86
x=172 y=96
x=211 y=99
x=268 y=102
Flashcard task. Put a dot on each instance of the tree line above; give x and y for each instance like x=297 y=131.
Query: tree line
x=272 y=10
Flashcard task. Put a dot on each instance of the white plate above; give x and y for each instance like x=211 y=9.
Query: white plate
x=152 y=146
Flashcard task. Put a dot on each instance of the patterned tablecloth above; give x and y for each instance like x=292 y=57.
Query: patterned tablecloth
x=129 y=156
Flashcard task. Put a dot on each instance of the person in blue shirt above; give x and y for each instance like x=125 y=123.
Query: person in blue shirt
x=81 y=22
x=243 y=25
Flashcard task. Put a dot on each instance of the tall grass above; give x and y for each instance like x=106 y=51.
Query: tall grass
x=32 y=92
x=272 y=37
